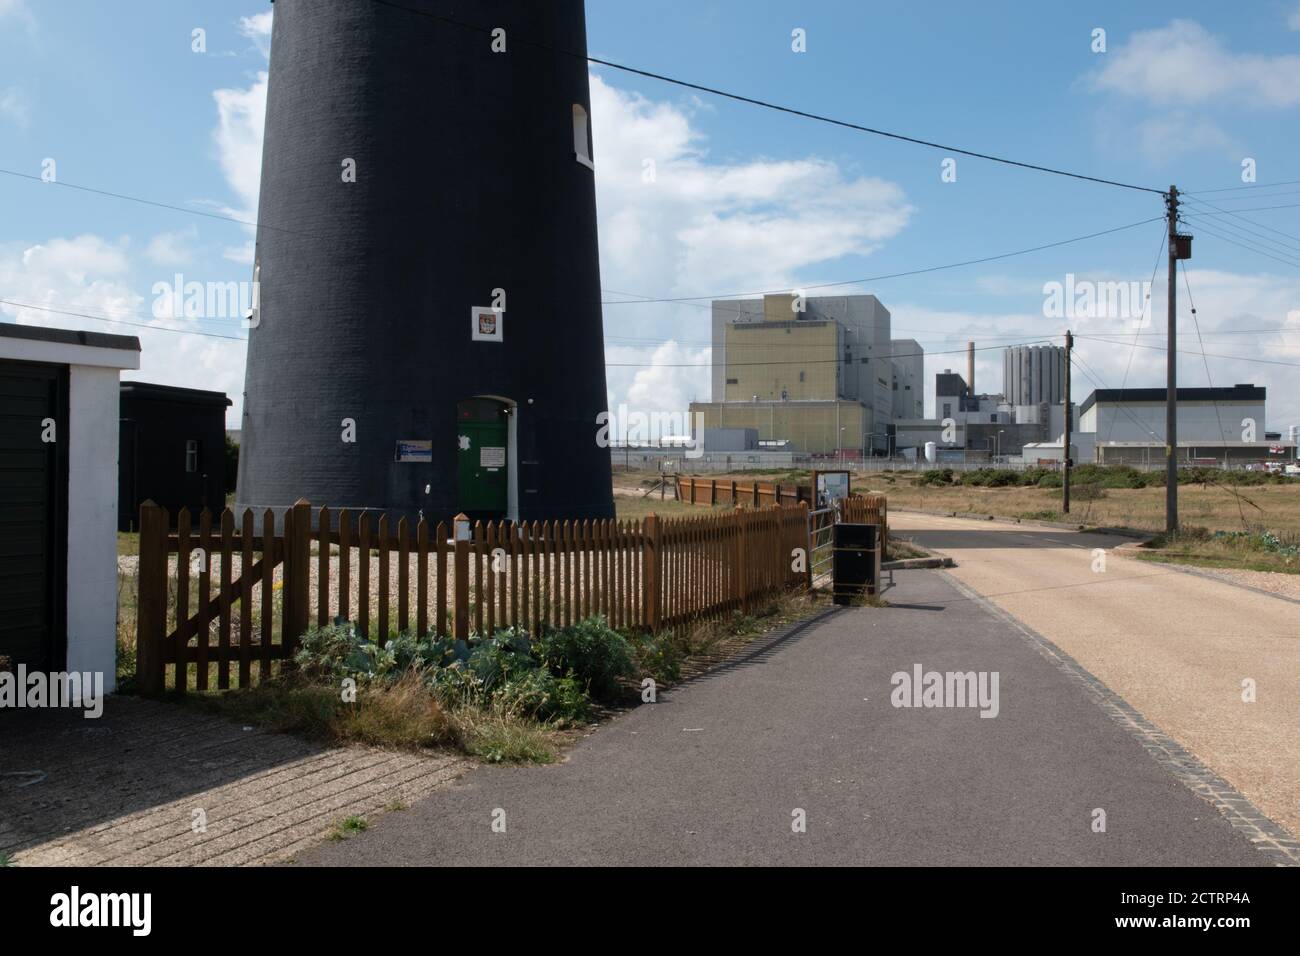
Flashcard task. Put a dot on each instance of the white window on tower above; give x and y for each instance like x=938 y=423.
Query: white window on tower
x=191 y=456
x=254 y=317
x=582 y=137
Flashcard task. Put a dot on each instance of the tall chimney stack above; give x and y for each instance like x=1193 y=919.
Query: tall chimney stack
x=970 y=368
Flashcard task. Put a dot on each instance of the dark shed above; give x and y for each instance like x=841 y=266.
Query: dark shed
x=172 y=449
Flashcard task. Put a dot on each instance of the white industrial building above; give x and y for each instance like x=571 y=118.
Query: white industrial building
x=1215 y=426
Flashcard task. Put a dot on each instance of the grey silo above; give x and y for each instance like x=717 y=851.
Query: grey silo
x=1033 y=374
x=472 y=175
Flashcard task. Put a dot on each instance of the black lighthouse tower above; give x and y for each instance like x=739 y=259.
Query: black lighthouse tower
x=428 y=332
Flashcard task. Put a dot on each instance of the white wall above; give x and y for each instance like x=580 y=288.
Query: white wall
x=92 y=520
x=1197 y=421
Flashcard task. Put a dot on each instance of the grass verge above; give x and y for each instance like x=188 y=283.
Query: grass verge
x=1245 y=550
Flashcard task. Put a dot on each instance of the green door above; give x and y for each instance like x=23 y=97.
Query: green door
x=482 y=436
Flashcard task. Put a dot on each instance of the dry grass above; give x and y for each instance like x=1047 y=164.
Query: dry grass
x=1276 y=507
x=635 y=508
x=404 y=715
x=1195 y=547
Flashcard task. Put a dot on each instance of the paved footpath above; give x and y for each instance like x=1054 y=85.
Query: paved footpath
x=1176 y=645
x=713 y=773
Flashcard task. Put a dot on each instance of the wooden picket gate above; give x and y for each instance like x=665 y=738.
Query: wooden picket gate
x=648 y=574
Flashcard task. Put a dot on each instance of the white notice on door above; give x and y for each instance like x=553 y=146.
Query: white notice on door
x=490 y=457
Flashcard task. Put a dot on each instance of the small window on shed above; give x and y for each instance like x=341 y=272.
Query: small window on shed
x=191 y=455
x=582 y=137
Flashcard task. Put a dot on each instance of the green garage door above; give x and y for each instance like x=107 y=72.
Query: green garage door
x=33 y=509
x=482 y=435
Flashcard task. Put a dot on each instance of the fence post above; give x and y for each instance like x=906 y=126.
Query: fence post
x=742 y=546
x=297 y=575
x=460 y=529
x=650 y=567
x=151 y=598
x=807 y=546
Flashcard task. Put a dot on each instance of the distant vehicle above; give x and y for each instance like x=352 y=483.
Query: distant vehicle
x=1293 y=471
x=1273 y=467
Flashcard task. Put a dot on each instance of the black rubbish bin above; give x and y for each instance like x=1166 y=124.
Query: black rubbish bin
x=855 y=562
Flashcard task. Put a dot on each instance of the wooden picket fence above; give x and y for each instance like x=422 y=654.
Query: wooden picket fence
x=867 y=509
x=726 y=491
x=197 y=611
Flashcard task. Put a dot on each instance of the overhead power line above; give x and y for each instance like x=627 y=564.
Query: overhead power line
x=242 y=338
x=776 y=107
x=881 y=278
x=117 y=321
x=1027 y=340
x=147 y=202
x=1201 y=225
x=1230 y=189
x=1250 y=222
x=1274 y=246
x=1162 y=348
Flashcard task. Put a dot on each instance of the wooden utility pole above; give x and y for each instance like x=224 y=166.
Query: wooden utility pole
x=1066 y=461
x=1171 y=373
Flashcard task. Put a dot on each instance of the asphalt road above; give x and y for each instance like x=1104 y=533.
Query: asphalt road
x=1177 y=646
x=714 y=772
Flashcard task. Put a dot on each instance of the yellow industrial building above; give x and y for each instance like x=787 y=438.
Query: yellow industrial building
x=782 y=372
x=809 y=426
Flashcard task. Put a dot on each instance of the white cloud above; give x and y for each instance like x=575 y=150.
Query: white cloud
x=172 y=249
x=1183 y=63
x=666 y=377
x=241 y=118
x=17 y=9
x=14 y=105
x=90 y=275
x=702 y=227
x=1165 y=138
x=258 y=29
x=1293 y=21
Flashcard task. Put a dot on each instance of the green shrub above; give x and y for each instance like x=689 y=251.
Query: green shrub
x=539 y=693
x=935 y=476
x=547 y=679
x=592 y=651
x=1050 y=480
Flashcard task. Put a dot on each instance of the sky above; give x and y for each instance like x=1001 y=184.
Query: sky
x=121 y=98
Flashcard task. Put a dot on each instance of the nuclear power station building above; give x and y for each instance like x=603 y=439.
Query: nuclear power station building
x=427 y=337
x=818 y=374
